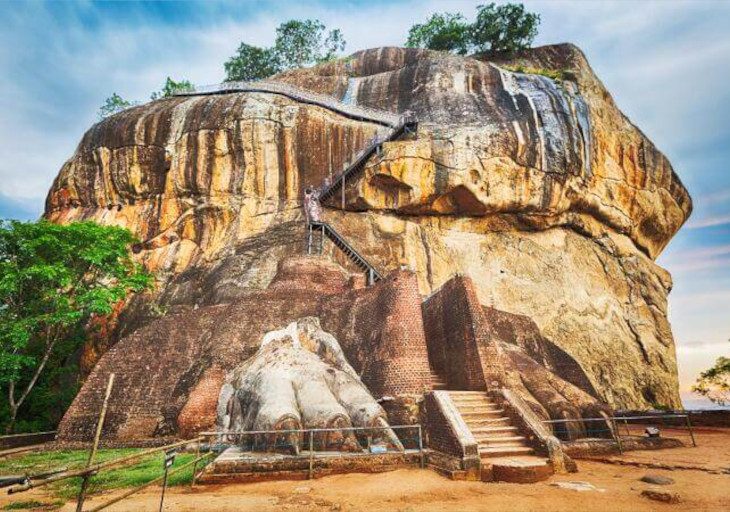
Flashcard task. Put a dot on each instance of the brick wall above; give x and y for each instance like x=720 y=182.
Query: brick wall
x=167 y=371
x=381 y=331
x=446 y=433
x=451 y=317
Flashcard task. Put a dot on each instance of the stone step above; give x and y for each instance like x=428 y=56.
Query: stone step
x=486 y=406
x=521 y=469
x=456 y=392
x=482 y=412
x=500 y=429
x=469 y=398
x=504 y=451
x=478 y=422
x=473 y=405
x=492 y=440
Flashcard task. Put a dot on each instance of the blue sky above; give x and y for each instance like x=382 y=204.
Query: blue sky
x=667 y=63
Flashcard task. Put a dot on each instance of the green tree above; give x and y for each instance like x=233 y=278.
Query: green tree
x=53 y=280
x=715 y=382
x=302 y=43
x=444 y=32
x=504 y=28
x=172 y=87
x=298 y=43
x=251 y=63
x=112 y=105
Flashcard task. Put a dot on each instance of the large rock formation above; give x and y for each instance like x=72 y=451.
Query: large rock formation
x=537 y=188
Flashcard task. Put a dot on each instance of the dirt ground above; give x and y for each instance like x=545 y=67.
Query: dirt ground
x=617 y=489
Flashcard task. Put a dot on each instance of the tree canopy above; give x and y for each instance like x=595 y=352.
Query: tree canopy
x=53 y=280
x=251 y=63
x=112 y=105
x=714 y=383
x=171 y=87
x=447 y=32
x=503 y=28
x=298 y=43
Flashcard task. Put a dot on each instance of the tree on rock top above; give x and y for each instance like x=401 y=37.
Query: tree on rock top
x=503 y=28
x=54 y=280
x=298 y=43
x=113 y=105
x=171 y=87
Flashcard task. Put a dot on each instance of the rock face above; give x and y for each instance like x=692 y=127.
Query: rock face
x=539 y=190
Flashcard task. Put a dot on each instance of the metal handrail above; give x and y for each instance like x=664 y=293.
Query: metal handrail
x=356 y=257
x=28 y=434
x=616 y=432
x=354 y=111
x=663 y=416
x=300 y=430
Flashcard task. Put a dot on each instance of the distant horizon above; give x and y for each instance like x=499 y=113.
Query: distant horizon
x=661 y=61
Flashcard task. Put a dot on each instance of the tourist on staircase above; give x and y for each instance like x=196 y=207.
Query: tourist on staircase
x=312 y=208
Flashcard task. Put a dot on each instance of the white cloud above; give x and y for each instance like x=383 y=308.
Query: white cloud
x=706 y=222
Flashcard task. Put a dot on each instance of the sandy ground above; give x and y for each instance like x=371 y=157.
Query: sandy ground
x=406 y=490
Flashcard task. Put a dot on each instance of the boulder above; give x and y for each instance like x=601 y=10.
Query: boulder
x=533 y=184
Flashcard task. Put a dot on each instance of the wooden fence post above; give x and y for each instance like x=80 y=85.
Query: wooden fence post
x=95 y=446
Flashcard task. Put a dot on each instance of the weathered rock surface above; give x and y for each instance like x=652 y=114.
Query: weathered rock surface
x=541 y=191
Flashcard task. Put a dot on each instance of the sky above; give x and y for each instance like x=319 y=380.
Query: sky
x=667 y=64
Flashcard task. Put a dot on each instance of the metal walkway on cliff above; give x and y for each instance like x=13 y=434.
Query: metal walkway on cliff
x=360 y=113
x=325 y=230
x=399 y=125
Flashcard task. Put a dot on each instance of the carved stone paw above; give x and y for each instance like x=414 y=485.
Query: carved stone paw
x=554 y=398
x=300 y=379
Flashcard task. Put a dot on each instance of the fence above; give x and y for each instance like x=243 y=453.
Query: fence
x=301 y=95
x=618 y=427
x=10 y=441
x=36 y=481
x=321 y=444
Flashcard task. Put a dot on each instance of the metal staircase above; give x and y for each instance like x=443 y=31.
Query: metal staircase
x=325 y=230
x=406 y=124
x=399 y=124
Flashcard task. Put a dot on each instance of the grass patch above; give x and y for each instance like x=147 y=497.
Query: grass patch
x=558 y=75
x=33 y=505
x=137 y=473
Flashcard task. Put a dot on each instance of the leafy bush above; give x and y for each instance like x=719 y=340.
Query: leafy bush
x=556 y=74
x=714 y=383
x=171 y=87
x=113 y=105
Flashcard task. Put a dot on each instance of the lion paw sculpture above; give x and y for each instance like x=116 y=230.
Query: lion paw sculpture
x=300 y=379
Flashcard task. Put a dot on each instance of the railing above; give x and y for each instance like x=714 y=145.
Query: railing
x=619 y=427
x=322 y=443
x=407 y=123
x=532 y=422
x=322 y=100
x=326 y=230
x=28 y=439
x=36 y=481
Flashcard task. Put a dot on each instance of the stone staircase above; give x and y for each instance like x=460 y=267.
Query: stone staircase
x=492 y=429
x=438 y=381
